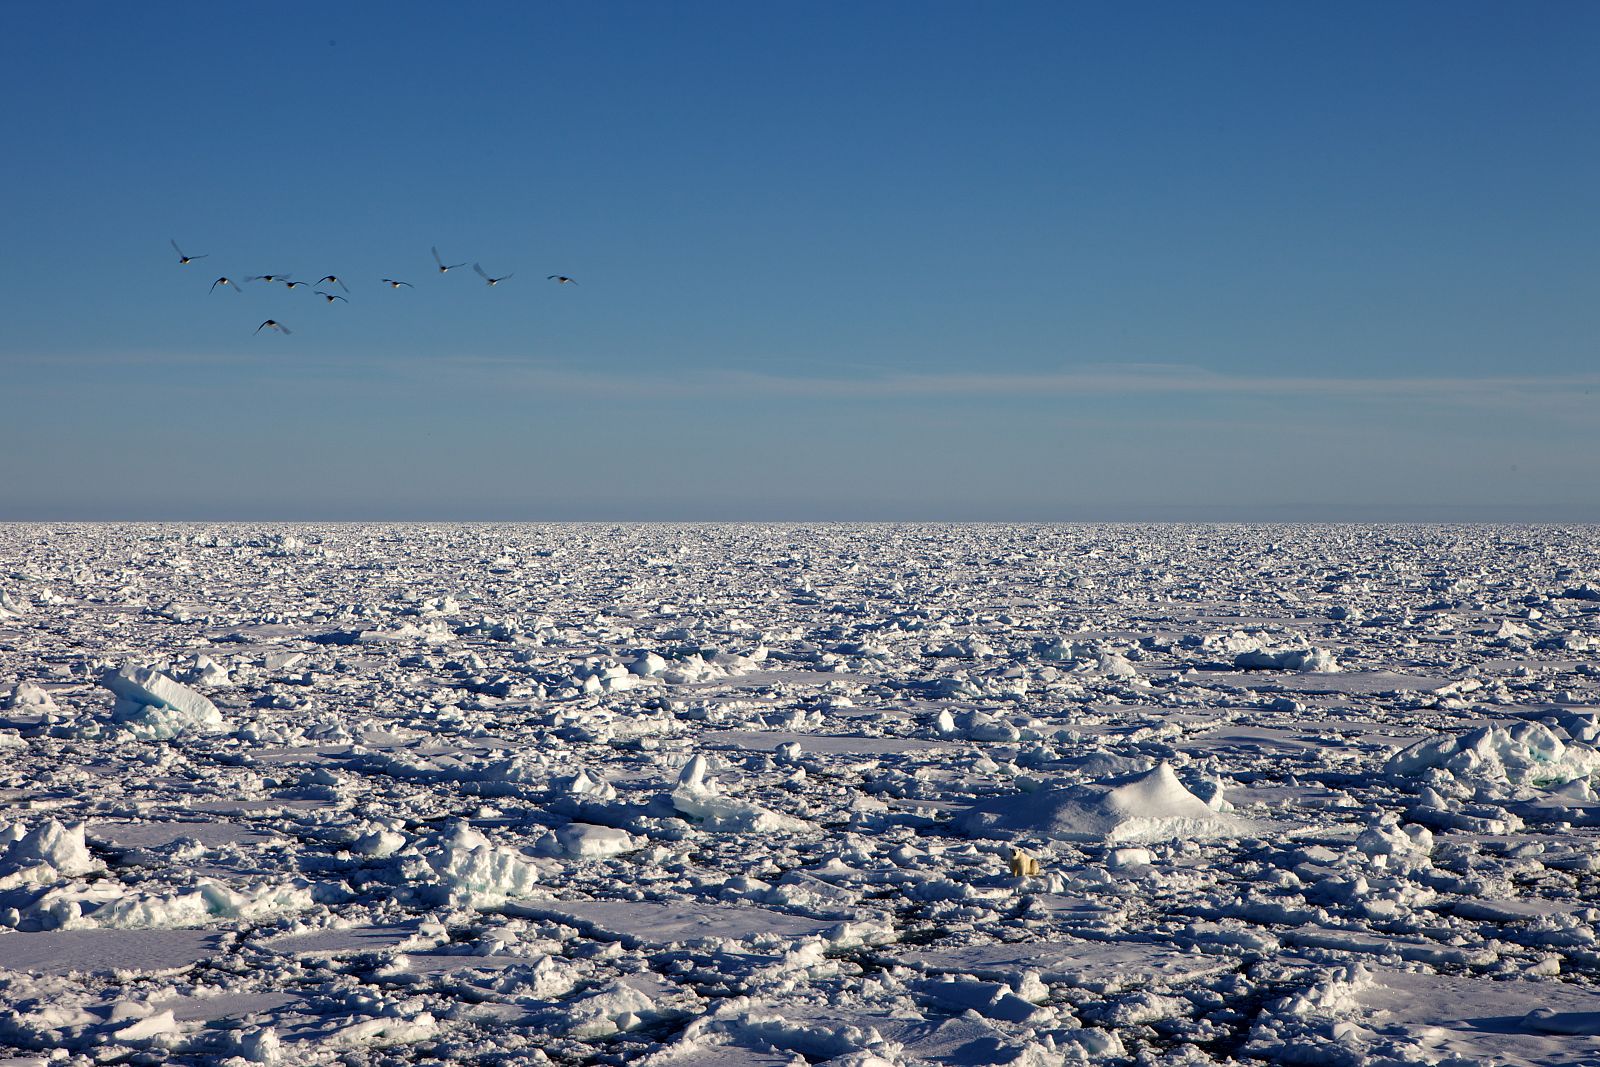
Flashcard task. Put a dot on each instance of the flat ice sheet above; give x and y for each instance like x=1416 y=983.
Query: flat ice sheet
x=1487 y=1022
x=655 y=923
x=1090 y=964
x=832 y=744
x=158 y=834
x=106 y=951
x=345 y=941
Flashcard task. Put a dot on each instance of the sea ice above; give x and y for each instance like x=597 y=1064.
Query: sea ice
x=881 y=794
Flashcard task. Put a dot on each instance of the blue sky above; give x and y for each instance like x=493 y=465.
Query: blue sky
x=892 y=260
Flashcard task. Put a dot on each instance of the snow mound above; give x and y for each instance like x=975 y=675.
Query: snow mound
x=1524 y=753
x=1149 y=806
x=151 y=706
x=975 y=725
x=589 y=841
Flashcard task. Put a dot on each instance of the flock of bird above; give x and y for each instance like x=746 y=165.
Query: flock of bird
x=288 y=282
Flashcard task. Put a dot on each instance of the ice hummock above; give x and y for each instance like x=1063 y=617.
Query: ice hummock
x=1304 y=660
x=476 y=872
x=47 y=852
x=1149 y=805
x=1524 y=753
x=27 y=697
x=152 y=706
x=700 y=798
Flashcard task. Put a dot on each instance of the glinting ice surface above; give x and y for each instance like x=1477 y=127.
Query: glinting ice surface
x=752 y=794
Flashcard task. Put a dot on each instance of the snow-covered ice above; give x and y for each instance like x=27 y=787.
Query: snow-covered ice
x=782 y=794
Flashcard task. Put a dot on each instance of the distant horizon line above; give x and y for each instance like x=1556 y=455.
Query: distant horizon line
x=816 y=521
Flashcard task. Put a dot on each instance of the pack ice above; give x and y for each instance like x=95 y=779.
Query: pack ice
x=776 y=794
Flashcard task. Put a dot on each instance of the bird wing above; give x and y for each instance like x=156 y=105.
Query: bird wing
x=436 y=258
x=479 y=268
x=284 y=328
x=264 y=325
x=175 y=247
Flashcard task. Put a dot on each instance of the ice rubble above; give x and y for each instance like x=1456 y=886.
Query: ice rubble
x=204 y=903
x=545 y=815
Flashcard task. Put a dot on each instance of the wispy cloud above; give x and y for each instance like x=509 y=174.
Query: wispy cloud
x=876 y=382
x=1089 y=381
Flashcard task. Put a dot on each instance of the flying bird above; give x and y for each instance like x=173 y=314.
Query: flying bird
x=491 y=281
x=291 y=285
x=335 y=280
x=562 y=279
x=275 y=324
x=269 y=278
x=225 y=281
x=184 y=260
x=444 y=268
x=330 y=297
x=393 y=284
